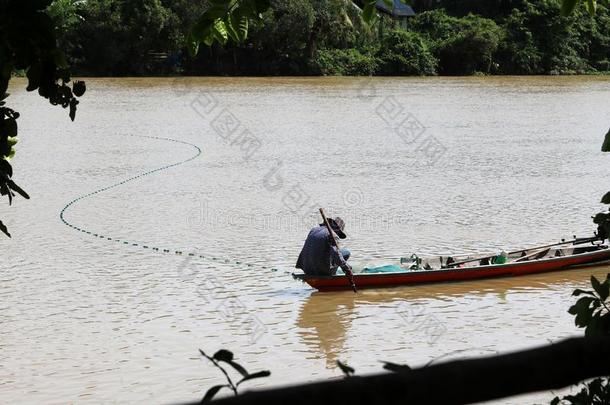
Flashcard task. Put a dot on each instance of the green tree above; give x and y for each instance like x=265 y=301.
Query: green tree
x=28 y=43
x=539 y=40
x=594 y=37
x=283 y=36
x=345 y=62
x=145 y=23
x=435 y=25
x=117 y=36
x=462 y=45
x=337 y=25
x=66 y=14
x=556 y=37
x=518 y=52
x=181 y=15
x=405 y=53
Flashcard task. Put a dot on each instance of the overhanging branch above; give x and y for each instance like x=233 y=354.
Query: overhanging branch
x=457 y=382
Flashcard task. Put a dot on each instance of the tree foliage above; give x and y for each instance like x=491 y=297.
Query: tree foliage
x=406 y=53
x=303 y=37
x=592 y=312
x=66 y=14
x=344 y=62
x=226 y=357
x=471 y=48
x=116 y=37
x=28 y=43
x=224 y=20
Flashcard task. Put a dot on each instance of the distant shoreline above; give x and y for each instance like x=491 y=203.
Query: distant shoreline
x=587 y=74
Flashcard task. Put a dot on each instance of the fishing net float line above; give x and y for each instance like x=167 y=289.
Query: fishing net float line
x=86 y=231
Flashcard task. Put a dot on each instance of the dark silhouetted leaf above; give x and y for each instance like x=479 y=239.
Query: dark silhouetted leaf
x=260 y=374
x=34 y=74
x=396 y=368
x=595 y=284
x=211 y=393
x=578 y=292
x=4 y=229
x=582 y=303
x=4 y=190
x=227 y=357
x=223 y=355
x=6 y=167
x=238 y=368
x=593 y=326
x=79 y=88
x=600 y=218
x=583 y=311
x=73 y=104
x=606 y=198
x=10 y=127
x=18 y=189
x=602 y=289
x=606 y=144
x=583 y=318
x=347 y=370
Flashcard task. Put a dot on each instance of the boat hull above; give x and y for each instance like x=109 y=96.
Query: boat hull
x=374 y=280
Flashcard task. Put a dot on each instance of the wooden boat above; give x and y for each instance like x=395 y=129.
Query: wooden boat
x=442 y=269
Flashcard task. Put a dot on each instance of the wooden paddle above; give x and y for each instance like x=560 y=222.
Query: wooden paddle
x=346 y=270
x=526 y=257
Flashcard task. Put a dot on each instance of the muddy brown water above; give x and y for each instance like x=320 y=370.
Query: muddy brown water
x=413 y=165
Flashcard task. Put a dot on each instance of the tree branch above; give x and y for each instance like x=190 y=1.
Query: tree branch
x=457 y=382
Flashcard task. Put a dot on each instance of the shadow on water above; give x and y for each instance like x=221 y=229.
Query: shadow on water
x=325 y=317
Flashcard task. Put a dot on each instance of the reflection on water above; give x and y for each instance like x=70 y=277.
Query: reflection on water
x=325 y=318
x=323 y=324
x=87 y=320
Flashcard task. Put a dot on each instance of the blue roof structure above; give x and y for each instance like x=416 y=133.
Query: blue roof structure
x=399 y=10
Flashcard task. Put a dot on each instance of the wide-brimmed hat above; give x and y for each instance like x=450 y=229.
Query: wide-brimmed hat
x=338 y=226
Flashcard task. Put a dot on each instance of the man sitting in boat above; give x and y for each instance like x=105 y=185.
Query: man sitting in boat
x=320 y=256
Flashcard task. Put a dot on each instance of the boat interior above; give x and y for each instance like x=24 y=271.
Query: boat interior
x=444 y=262
x=464 y=261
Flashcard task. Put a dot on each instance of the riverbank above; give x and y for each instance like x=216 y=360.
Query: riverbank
x=304 y=37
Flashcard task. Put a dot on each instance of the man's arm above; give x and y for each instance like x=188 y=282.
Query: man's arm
x=338 y=259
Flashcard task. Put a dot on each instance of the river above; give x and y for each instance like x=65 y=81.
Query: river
x=92 y=310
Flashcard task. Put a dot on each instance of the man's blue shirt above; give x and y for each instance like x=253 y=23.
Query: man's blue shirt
x=319 y=256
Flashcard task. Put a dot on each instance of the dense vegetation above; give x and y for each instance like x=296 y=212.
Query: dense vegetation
x=303 y=37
